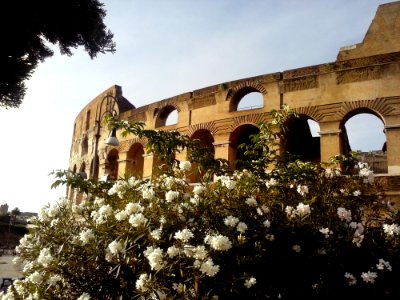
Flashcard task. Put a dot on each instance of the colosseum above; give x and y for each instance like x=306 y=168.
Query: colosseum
x=365 y=78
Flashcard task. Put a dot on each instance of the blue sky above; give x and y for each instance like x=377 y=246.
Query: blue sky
x=165 y=48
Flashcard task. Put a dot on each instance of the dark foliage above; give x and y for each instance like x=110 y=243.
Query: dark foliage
x=27 y=27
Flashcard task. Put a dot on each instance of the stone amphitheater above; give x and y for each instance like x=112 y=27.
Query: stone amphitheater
x=365 y=78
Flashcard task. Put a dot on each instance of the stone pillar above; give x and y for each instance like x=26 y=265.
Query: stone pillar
x=330 y=144
x=122 y=164
x=330 y=139
x=148 y=165
x=393 y=150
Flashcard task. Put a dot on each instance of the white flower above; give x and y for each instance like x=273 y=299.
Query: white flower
x=133 y=208
x=121 y=215
x=85 y=236
x=171 y=195
x=116 y=247
x=392 y=229
x=231 y=221
x=290 y=212
x=84 y=296
x=344 y=215
x=148 y=193
x=251 y=201
x=180 y=288
x=382 y=265
x=326 y=232
x=351 y=279
x=369 y=277
x=53 y=279
x=302 y=189
x=183 y=235
x=200 y=252
x=155 y=257
x=199 y=189
x=302 y=210
x=209 y=268
x=35 y=277
x=142 y=282
x=137 y=220
x=105 y=210
x=156 y=234
x=356 y=193
x=267 y=223
x=45 y=257
x=195 y=200
x=185 y=165
x=271 y=182
x=364 y=171
x=172 y=251
x=241 y=227
x=219 y=242
x=296 y=248
x=358 y=238
x=227 y=182
x=250 y=282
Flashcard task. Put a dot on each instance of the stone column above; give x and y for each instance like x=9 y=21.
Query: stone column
x=122 y=164
x=330 y=144
x=148 y=165
x=393 y=150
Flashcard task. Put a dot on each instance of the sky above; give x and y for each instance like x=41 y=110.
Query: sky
x=165 y=48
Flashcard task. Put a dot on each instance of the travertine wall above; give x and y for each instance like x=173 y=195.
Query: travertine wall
x=364 y=78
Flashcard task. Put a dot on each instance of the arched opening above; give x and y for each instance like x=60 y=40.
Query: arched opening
x=207 y=140
x=362 y=131
x=252 y=100
x=95 y=172
x=172 y=118
x=247 y=98
x=85 y=146
x=302 y=140
x=111 y=167
x=167 y=116
x=87 y=120
x=241 y=135
x=135 y=161
x=82 y=170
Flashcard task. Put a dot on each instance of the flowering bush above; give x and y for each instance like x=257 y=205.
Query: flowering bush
x=281 y=228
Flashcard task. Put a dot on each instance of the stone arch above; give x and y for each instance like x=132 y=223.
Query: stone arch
x=299 y=141
x=135 y=161
x=376 y=107
x=247 y=119
x=210 y=126
x=376 y=158
x=241 y=135
x=239 y=92
x=82 y=169
x=207 y=140
x=311 y=111
x=111 y=165
x=94 y=172
x=162 y=115
x=84 y=146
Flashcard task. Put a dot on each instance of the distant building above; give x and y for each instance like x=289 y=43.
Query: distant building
x=3 y=209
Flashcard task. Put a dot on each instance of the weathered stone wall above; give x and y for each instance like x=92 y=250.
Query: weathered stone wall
x=364 y=78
